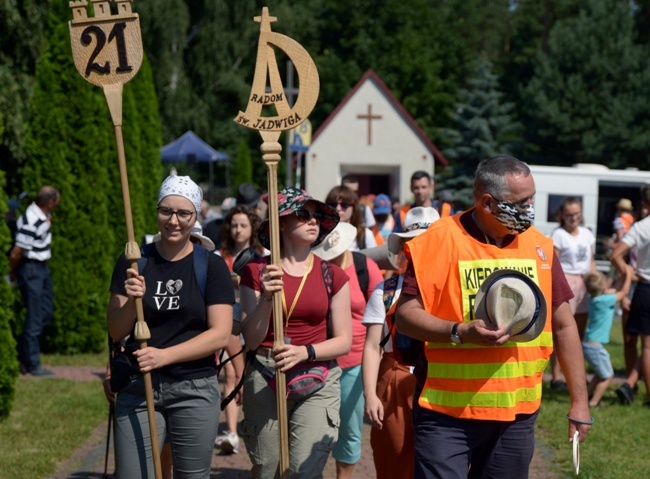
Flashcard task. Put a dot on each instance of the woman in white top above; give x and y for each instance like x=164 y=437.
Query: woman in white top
x=575 y=247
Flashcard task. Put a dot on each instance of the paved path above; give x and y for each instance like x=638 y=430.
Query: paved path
x=88 y=461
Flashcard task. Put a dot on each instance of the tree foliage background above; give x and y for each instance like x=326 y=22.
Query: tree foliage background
x=555 y=81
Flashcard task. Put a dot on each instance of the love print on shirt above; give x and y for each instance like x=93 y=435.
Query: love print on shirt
x=161 y=298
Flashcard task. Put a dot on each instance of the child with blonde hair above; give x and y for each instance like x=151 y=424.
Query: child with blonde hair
x=602 y=305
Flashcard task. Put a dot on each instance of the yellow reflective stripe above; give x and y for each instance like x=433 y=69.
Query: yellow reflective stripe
x=486 y=371
x=478 y=399
x=544 y=340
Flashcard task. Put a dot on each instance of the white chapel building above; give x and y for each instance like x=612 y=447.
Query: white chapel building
x=371 y=135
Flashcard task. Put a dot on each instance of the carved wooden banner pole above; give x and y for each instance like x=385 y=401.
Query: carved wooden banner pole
x=270 y=129
x=107 y=51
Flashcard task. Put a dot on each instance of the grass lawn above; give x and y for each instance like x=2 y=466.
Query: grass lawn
x=53 y=417
x=49 y=420
x=615 y=445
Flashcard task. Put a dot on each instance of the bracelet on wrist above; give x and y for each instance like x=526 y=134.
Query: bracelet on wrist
x=579 y=421
x=311 y=353
x=266 y=298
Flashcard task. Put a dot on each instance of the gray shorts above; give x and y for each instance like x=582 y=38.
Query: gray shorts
x=313 y=426
x=187 y=415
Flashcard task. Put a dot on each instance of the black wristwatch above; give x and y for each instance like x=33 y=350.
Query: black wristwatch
x=454 y=334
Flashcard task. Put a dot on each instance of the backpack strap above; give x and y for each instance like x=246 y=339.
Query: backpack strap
x=201 y=268
x=361 y=268
x=328 y=278
x=390 y=288
x=200 y=263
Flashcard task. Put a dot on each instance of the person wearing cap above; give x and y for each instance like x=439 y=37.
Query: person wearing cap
x=317 y=330
x=480 y=392
x=623 y=220
x=388 y=385
x=335 y=249
x=385 y=222
x=187 y=326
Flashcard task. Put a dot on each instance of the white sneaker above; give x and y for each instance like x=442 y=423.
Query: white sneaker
x=229 y=443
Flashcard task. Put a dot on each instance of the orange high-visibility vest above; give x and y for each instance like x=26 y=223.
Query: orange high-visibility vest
x=470 y=380
x=627 y=219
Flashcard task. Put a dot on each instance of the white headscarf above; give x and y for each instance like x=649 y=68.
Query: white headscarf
x=182 y=186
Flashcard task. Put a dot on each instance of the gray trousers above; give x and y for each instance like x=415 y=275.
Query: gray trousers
x=187 y=415
x=313 y=426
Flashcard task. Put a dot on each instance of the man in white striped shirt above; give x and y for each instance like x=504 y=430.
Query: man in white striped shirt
x=28 y=264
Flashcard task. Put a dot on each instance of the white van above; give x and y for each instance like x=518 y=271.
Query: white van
x=597 y=186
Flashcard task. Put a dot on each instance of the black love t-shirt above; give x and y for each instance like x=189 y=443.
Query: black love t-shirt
x=174 y=308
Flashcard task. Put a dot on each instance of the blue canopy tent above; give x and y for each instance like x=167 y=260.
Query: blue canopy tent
x=190 y=148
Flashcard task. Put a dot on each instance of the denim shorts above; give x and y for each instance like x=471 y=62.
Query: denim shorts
x=598 y=358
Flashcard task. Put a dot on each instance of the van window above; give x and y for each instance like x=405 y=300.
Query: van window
x=554 y=205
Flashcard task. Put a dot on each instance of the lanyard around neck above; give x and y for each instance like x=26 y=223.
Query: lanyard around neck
x=288 y=314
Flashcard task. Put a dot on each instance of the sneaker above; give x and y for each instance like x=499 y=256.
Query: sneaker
x=559 y=385
x=41 y=372
x=625 y=394
x=230 y=443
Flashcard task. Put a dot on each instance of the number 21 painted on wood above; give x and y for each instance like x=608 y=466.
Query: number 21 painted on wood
x=107 y=48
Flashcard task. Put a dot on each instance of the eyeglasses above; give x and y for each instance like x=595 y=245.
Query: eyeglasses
x=343 y=204
x=305 y=215
x=184 y=216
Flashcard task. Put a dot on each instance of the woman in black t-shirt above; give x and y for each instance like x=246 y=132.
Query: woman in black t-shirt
x=188 y=322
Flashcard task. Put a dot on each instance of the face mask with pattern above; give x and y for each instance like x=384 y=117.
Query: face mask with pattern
x=515 y=216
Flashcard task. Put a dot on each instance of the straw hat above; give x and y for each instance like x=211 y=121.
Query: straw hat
x=416 y=222
x=624 y=204
x=337 y=242
x=511 y=299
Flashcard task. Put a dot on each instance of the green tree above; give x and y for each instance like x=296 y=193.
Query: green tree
x=71 y=144
x=484 y=127
x=22 y=26
x=243 y=170
x=8 y=362
x=588 y=99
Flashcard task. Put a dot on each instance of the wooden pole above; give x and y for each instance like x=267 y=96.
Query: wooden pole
x=270 y=129
x=107 y=51
x=271 y=150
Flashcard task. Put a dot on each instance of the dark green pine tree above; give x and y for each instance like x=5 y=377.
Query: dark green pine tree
x=243 y=169
x=22 y=33
x=71 y=145
x=485 y=126
x=588 y=100
x=8 y=361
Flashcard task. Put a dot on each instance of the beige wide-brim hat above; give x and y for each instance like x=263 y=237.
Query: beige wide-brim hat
x=511 y=299
x=624 y=204
x=337 y=242
x=197 y=234
x=416 y=222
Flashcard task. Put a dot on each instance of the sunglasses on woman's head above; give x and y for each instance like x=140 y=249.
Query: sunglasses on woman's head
x=343 y=204
x=305 y=215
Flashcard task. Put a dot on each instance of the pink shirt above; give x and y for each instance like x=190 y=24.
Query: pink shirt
x=358 y=304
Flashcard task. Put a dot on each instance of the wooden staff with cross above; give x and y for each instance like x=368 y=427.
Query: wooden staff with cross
x=270 y=129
